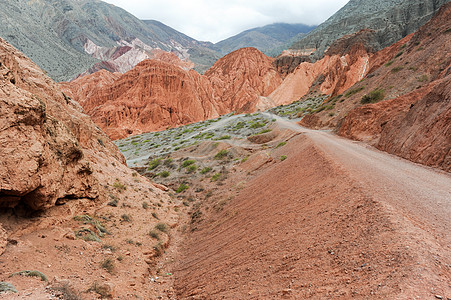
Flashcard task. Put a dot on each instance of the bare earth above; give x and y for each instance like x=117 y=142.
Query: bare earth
x=337 y=218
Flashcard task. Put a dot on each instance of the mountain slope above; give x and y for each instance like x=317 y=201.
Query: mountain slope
x=263 y=38
x=392 y=19
x=68 y=37
x=403 y=105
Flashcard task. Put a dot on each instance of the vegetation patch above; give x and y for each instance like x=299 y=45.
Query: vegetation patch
x=108 y=265
x=7 y=287
x=221 y=154
x=374 y=96
x=162 y=227
x=154 y=163
x=281 y=144
x=354 y=91
x=119 y=186
x=31 y=274
x=205 y=170
x=183 y=187
x=283 y=157
x=187 y=163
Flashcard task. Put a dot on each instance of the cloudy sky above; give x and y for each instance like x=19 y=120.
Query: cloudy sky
x=215 y=20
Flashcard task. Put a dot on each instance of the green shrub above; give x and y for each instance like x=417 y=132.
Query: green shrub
x=191 y=168
x=283 y=157
x=187 y=163
x=154 y=163
x=423 y=78
x=119 y=186
x=183 y=187
x=374 y=96
x=264 y=131
x=354 y=91
x=221 y=154
x=257 y=125
x=164 y=174
x=245 y=159
x=162 y=227
x=215 y=177
x=205 y=170
x=224 y=137
x=281 y=144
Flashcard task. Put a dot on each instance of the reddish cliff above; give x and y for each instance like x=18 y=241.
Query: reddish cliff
x=241 y=78
x=46 y=143
x=346 y=62
x=152 y=96
x=415 y=123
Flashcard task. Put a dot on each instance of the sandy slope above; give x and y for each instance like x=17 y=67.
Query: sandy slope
x=335 y=219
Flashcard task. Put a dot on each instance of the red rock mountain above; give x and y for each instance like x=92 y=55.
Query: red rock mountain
x=346 y=62
x=152 y=96
x=156 y=94
x=50 y=150
x=241 y=78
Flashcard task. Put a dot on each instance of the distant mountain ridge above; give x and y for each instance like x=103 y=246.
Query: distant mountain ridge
x=391 y=19
x=264 y=38
x=67 y=37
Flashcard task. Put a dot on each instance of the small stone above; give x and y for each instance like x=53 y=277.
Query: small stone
x=438 y=297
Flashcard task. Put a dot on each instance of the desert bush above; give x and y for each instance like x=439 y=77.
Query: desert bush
x=162 y=227
x=187 y=163
x=205 y=170
x=221 y=154
x=374 y=96
x=183 y=187
x=154 y=163
x=33 y=273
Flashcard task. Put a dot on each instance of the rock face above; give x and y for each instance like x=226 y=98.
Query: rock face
x=346 y=62
x=156 y=94
x=391 y=19
x=46 y=142
x=241 y=78
x=152 y=96
x=415 y=123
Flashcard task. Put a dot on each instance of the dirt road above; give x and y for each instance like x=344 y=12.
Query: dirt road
x=421 y=194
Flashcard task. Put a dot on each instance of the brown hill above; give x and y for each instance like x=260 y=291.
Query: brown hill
x=414 y=76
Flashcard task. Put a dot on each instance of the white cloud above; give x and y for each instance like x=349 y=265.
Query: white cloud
x=215 y=20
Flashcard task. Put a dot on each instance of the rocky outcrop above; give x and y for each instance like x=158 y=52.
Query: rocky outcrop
x=241 y=78
x=346 y=62
x=286 y=64
x=152 y=96
x=46 y=142
x=391 y=19
x=415 y=122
